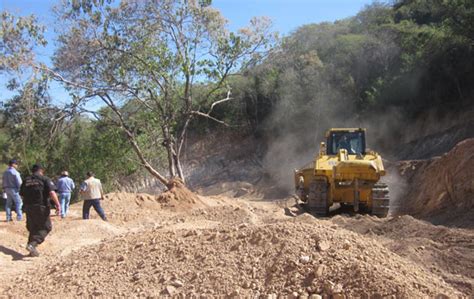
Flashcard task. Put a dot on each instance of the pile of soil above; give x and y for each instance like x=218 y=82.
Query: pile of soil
x=439 y=249
x=441 y=189
x=285 y=256
x=132 y=206
x=178 y=196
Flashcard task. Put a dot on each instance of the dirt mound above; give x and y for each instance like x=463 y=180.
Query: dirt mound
x=296 y=257
x=128 y=206
x=178 y=196
x=442 y=189
x=438 y=249
x=126 y=212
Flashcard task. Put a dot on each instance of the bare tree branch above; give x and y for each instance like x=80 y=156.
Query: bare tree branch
x=228 y=98
x=210 y=117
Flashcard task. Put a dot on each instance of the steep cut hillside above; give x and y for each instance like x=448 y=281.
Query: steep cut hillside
x=441 y=189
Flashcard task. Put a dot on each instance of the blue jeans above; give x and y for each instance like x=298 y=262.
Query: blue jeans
x=13 y=197
x=64 y=199
x=88 y=203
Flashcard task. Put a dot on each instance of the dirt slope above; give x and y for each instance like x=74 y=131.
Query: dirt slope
x=238 y=247
x=441 y=190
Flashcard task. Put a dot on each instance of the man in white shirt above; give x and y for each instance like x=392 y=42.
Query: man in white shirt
x=92 y=193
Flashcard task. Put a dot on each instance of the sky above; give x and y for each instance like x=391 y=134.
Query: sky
x=286 y=15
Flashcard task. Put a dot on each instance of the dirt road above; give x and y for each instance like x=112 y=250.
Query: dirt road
x=244 y=247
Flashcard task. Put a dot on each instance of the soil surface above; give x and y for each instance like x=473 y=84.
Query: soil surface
x=171 y=245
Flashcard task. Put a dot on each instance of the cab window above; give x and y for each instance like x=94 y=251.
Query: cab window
x=353 y=142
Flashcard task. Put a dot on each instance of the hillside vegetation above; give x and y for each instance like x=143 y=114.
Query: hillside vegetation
x=384 y=68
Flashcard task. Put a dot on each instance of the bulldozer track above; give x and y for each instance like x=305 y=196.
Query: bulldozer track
x=318 y=198
x=380 y=200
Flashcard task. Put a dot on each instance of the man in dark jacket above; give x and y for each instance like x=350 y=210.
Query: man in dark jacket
x=36 y=190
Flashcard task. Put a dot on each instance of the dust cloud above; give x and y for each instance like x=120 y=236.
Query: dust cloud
x=398 y=189
x=297 y=140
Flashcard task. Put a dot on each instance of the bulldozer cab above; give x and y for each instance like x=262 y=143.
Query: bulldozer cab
x=353 y=141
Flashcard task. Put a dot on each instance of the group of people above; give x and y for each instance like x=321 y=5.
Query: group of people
x=34 y=194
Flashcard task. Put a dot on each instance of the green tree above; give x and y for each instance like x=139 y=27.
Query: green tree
x=151 y=56
x=18 y=38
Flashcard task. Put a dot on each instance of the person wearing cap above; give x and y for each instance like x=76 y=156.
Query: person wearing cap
x=36 y=191
x=11 y=186
x=92 y=193
x=65 y=187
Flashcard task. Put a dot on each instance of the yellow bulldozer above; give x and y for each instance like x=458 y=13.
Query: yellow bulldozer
x=345 y=172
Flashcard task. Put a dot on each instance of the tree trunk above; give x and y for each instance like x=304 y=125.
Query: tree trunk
x=171 y=164
x=179 y=167
x=147 y=165
x=168 y=144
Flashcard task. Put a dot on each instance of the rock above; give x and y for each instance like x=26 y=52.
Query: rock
x=241 y=192
x=170 y=290
x=320 y=270
x=97 y=293
x=141 y=265
x=236 y=246
x=346 y=245
x=323 y=245
x=328 y=286
x=304 y=296
x=337 y=289
x=190 y=233
x=243 y=225
x=177 y=283
x=235 y=293
x=136 y=276
x=304 y=259
x=121 y=259
x=291 y=212
x=141 y=244
x=315 y=296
